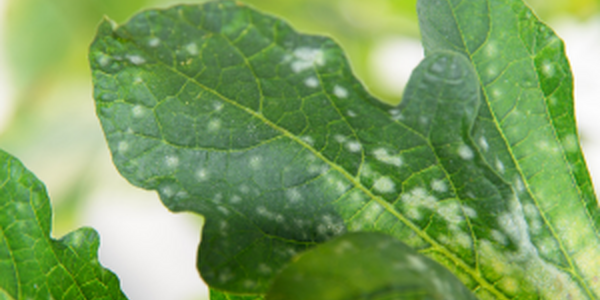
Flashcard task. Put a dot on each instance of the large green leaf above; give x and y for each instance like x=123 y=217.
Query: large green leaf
x=526 y=130
x=232 y=114
x=35 y=266
x=366 y=266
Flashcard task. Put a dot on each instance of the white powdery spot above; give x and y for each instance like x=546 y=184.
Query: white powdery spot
x=351 y=114
x=570 y=143
x=339 y=138
x=244 y=189
x=218 y=106
x=384 y=185
x=305 y=58
x=469 y=211
x=416 y=200
x=138 y=111
x=136 y=59
x=214 y=125
x=224 y=211
x=255 y=162
x=311 y=82
x=264 y=269
x=235 y=199
x=499 y=237
x=104 y=60
x=450 y=211
x=499 y=166
x=154 y=42
x=417 y=263
x=172 y=161
x=138 y=80
x=192 y=48
x=307 y=139
x=354 y=146
x=123 y=146
x=439 y=186
x=519 y=186
x=548 y=68
x=293 y=195
x=465 y=152
x=340 y=92
x=484 y=144
x=202 y=174
x=383 y=156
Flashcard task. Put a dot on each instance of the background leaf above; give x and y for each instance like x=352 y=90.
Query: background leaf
x=230 y=113
x=34 y=266
x=365 y=266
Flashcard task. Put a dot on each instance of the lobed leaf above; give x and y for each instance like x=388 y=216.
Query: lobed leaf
x=35 y=266
x=365 y=266
x=232 y=114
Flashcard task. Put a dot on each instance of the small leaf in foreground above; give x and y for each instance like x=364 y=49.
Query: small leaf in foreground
x=369 y=266
x=35 y=266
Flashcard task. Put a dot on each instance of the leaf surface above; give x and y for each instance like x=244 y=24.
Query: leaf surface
x=365 y=266
x=35 y=266
x=526 y=131
x=232 y=114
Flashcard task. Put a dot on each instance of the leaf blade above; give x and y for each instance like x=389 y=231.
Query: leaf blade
x=34 y=265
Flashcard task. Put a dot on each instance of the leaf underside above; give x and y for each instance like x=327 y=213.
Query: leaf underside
x=266 y=132
x=34 y=266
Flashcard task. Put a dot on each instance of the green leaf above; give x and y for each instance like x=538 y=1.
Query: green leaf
x=365 y=266
x=218 y=295
x=231 y=114
x=35 y=266
x=526 y=130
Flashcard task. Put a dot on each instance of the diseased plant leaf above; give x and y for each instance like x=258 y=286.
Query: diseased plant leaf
x=526 y=131
x=34 y=266
x=231 y=114
x=365 y=266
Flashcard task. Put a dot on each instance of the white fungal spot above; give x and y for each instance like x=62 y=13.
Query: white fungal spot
x=383 y=156
x=235 y=199
x=499 y=237
x=293 y=195
x=255 y=162
x=384 y=185
x=339 y=138
x=224 y=211
x=439 y=186
x=218 y=106
x=104 y=60
x=351 y=114
x=244 y=189
x=214 y=125
x=340 y=92
x=202 y=174
x=305 y=58
x=465 y=152
x=311 y=82
x=138 y=80
x=307 y=139
x=483 y=144
x=469 y=211
x=172 y=161
x=354 y=146
x=519 y=186
x=154 y=42
x=123 y=146
x=192 y=49
x=548 y=68
x=138 y=111
x=136 y=59
x=417 y=263
x=499 y=166
x=570 y=143
x=417 y=199
x=264 y=269
x=491 y=49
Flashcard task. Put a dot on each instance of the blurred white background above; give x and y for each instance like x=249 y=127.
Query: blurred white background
x=152 y=250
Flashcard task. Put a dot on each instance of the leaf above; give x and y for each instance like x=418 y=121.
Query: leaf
x=217 y=295
x=231 y=114
x=34 y=266
x=526 y=130
x=365 y=266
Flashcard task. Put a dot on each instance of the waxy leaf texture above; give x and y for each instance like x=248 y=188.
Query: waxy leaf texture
x=266 y=132
x=32 y=264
